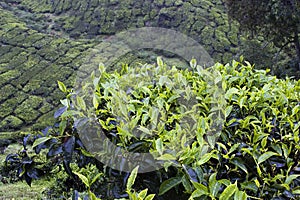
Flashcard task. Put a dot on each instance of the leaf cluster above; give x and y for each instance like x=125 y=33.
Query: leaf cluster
x=255 y=155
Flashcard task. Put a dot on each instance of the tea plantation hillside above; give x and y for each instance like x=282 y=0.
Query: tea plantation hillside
x=44 y=44
x=42 y=41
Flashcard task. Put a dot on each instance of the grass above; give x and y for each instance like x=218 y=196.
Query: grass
x=20 y=190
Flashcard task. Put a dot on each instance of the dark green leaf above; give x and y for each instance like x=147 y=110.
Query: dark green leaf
x=169 y=184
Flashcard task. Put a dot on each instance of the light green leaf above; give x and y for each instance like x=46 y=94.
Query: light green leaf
x=62 y=87
x=228 y=192
x=83 y=178
x=40 y=141
x=173 y=97
x=193 y=63
x=144 y=130
x=200 y=187
x=62 y=126
x=205 y=158
x=81 y=102
x=166 y=157
x=65 y=102
x=228 y=111
x=154 y=112
x=92 y=196
x=142 y=194
x=224 y=182
x=159 y=61
x=240 y=195
x=96 y=82
x=96 y=178
x=150 y=197
x=230 y=92
x=146 y=90
x=286 y=151
x=197 y=193
x=266 y=156
x=233 y=148
x=132 y=178
x=145 y=117
x=101 y=68
x=242 y=101
x=290 y=178
x=163 y=80
x=296 y=191
x=169 y=184
x=214 y=185
x=159 y=146
x=95 y=101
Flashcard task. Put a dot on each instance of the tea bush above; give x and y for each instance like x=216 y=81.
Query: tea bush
x=255 y=155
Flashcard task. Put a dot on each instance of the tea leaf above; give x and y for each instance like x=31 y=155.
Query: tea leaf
x=62 y=87
x=200 y=187
x=186 y=184
x=142 y=194
x=81 y=102
x=132 y=178
x=159 y=146
x=228 y=192
x=240 y=195
x=198 y=193
x=214 y=185
x=40 y=141
x=239 y=163
x=228 y=111
x=159 y=62
x=83 y=178
x=65 y=102
x=290 y=178
x=150 y=197
x=144 y=130
x=169 y=184
x=166 y=157
x=230 y=92
x=266 y=156
x=193 y=63
x=96 y=178
x=205 y=158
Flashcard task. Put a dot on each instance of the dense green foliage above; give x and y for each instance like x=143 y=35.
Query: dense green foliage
x=256 y=156
x=40 y=43
x=277 y=21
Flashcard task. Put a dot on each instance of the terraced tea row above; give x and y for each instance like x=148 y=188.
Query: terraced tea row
x=43 y=41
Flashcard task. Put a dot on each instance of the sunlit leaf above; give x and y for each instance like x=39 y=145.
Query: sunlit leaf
x=83 y=178
x=266 y=156
x=62 y=86
x=228 y=192
x=159 y=146
x=132 y=178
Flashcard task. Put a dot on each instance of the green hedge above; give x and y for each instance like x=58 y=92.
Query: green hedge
x=254 y=156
